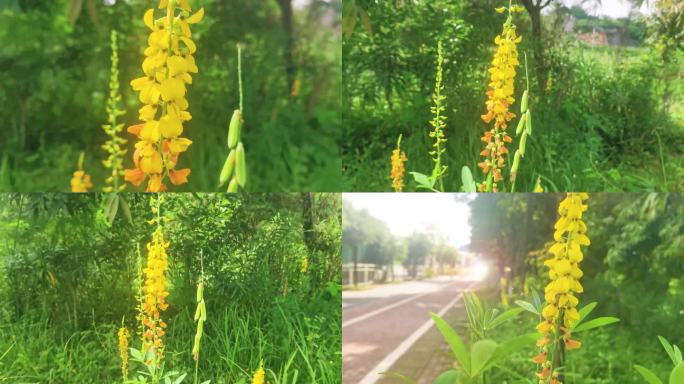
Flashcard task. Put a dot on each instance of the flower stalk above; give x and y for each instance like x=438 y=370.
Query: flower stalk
x=113 y=146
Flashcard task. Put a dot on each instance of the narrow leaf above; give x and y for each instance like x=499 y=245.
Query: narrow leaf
x=595 y=323
x=648 y=375
x=527 y=306
x=454 y=341
x=668 y=349
x=502 y=318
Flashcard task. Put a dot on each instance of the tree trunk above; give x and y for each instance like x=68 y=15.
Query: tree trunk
x=538 y=47
x=288 y=49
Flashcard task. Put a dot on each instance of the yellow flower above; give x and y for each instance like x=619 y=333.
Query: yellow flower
x=499 y=99
x=560 y=311
x=259 y=375
x=397 y=160
x=80 y=181
x=155 y=288
x=167 y=67
x=304 y=265
x=123 y=350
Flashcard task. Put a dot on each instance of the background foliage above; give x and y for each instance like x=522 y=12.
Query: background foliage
x=605 y=118
x=66 y=282
x=54 y=62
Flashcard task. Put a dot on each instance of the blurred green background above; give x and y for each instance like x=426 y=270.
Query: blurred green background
x=55 y=65
x=607 y=111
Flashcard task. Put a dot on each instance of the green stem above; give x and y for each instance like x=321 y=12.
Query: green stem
x=239 y=49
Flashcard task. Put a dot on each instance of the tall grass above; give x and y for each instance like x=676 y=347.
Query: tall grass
x=299 y=343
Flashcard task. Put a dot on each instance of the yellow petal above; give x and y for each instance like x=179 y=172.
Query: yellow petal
x=149 y=18
x=177 y=65
x=170 y=127
x=179 y=145
x=197 y=17
x=189 y=43
x=150 y=131
x=500 y=9
x=172 y=89
x=151 y=164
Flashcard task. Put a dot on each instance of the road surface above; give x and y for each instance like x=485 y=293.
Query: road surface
x=383 y=323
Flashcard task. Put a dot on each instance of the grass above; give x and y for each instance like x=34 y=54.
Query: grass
x=298 y=343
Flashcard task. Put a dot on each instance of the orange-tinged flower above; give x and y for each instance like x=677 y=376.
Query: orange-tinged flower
x=80 y=182
x=499 y=99
x=179 y=176
x=571 y=344
x=540 y=358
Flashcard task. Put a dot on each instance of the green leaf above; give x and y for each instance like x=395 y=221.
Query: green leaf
x=136 y=355
x=449 y=377
x=467 y=180
x=111 y=206
x=585 y=311
x=454 y=341
x=648 y=375
x=668 y=349
x=480 y=354
x=677 y=374
x=595 y=323
x=125 y=209
x=502 y=318
x=527 y=306
x=423 y=180
x=180 y=379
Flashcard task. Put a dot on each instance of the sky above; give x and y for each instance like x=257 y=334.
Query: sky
x=612 y=8
x=406 y=213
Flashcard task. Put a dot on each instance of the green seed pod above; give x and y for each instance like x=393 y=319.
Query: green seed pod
x=198 y=313
x=200 y=291
x=203 y=311
x=228 y=167
x=240 y=168
x=233 y=185
x=516 y=162
x=528 y=117
x=523 y=103
x=234 y=129
x=521 y=125
x=523 y=141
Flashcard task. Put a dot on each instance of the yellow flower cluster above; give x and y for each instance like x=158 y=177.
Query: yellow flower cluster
x=259 y=376
x=123 y=350
x=398 y=159
x=499 y=99
x=155 y=289
x=304 y=265
x=167 y=67
x=560 y=312
x=80 y=181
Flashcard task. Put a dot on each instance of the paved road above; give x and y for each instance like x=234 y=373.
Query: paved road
x=380 y=324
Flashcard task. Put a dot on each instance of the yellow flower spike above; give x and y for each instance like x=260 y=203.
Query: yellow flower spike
x=260 y=375
x=560 y=311
x=123 y=336
x=397 y=161
x=499 y=99
x=167 y=66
